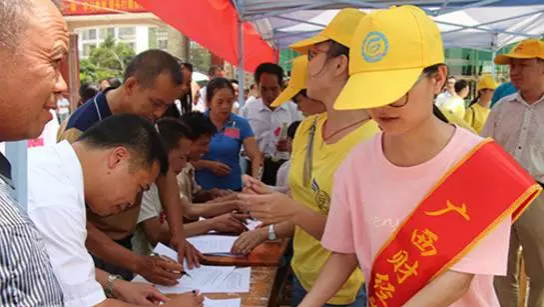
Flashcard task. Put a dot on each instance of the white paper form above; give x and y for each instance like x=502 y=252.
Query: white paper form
x=213 y=244
x=206 y=279
x=236 y=282
x=235 y=302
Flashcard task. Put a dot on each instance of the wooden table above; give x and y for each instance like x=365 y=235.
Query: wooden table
x=264 y=262
x=267 y=254
x=260 y=291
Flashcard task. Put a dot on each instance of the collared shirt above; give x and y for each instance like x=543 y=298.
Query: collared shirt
x=188 y=186
x=225 y=147
x=267 y=123
x=91 y=112
x=201 y=102
x=151 y=208
x=56 y=205
x=118 y=226
x=519 y=128
x=442 y=98
x=26 y=275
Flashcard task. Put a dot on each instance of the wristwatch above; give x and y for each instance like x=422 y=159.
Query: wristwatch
x=109 y=287
x=272 y=233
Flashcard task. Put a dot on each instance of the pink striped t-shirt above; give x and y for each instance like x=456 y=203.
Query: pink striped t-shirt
x=371 y=197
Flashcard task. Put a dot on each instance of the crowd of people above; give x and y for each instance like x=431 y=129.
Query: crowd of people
x=394 y=190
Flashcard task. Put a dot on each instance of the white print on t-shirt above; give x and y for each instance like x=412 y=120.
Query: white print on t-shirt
x=380 y=222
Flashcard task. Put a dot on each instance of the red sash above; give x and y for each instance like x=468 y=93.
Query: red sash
x=477 y=194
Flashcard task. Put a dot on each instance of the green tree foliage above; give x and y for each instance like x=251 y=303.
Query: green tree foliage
x=108 y=60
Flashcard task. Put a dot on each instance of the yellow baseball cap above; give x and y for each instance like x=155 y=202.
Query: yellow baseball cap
x=487 y=82
x=340 y=30
x=532 y=48
x=297 y=83
x=388 y=53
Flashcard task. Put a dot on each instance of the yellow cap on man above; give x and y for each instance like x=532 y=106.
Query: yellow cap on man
x=532 y=48
x=487 y=82
x=387 y=56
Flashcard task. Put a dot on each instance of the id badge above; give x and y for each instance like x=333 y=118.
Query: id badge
x=232 y=133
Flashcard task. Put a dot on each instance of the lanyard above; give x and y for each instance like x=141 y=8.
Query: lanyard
x=308 y=161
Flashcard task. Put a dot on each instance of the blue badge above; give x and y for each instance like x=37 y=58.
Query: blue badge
x=375 y=47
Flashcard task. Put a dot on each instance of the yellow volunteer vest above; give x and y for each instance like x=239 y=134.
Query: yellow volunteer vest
x=309 y=255
x=476 y=116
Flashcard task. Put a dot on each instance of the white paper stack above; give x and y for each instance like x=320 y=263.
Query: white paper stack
x=206 y=279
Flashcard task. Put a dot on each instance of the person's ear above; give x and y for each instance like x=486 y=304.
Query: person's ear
x=117 y=157
x=130 y=85
x=342 y=65
x=440 y=79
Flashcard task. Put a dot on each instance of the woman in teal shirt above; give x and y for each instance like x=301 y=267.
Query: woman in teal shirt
x=220 y=167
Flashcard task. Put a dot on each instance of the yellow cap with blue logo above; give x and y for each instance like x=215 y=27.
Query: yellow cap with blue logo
x=340 y=29
x=388 y=53
x=299 y=75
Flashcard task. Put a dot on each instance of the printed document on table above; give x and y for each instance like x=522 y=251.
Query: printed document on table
x=206 y=279
x=213 y=244
x=235 y=302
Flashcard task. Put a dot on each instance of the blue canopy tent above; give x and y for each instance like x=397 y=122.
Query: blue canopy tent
x=482 y=24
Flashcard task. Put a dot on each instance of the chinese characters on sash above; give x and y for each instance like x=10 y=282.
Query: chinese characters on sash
x=405 y=265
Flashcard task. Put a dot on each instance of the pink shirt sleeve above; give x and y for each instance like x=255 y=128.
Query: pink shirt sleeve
x=338 y=235
x=490 y=256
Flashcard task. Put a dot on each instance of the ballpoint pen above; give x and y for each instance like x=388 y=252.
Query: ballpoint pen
x=170 y=260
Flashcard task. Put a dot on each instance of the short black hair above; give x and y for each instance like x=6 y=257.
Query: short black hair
x=172 y=131
x=460 y=85
x=88 y=91
x=213 y=69
x=200 y=125
x=217 y=84
x=234 y=81
x=188 y=66
x=148 y=65
x=269 y=68
x=292 y=130
x=114 y=82
x=133 y=132
x=172 y=112
x=451 y=77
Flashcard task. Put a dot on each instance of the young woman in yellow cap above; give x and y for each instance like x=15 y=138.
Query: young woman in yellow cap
x=408 y=206
x=478 y=110
x=321 y=143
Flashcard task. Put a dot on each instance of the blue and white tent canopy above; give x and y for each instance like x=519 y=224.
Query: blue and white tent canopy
x=482 y=24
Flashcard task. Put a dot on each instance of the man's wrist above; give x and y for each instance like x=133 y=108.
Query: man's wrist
x=113 y=282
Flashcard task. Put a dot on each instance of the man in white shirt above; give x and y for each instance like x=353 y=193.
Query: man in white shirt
x=517 y=123
x=449 y=92
x=266 y=121
x=102 y=172
x=213 y=72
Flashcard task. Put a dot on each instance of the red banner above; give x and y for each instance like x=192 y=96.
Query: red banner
x=95 y=7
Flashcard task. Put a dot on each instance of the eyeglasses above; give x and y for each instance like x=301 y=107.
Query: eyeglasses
x=404 y=99
x=312 y=53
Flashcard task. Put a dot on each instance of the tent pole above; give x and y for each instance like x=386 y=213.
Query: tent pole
x=493 y=55
x=240 y=67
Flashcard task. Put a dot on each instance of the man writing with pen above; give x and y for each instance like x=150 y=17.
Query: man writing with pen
x=152 y=227
x=102 y=172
